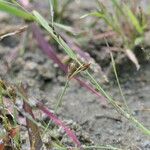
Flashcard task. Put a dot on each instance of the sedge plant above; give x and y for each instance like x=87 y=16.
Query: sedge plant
x=36 y=17
x=72 y=55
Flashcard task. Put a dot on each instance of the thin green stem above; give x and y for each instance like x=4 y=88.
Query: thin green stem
x=118 y=108
x=51 y=12
x=118 y=82
x=1 y=96
x=56 y=7
x=59 y=102
x=116 y=75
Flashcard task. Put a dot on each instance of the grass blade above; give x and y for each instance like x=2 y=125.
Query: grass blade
x=47 y=49
x=4 y=6
x=59 y=123
x=45 y=24
x=33 y=129
x=133 y=19
x=116 y=75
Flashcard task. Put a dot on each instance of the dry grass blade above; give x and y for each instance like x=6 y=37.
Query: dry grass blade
x=133 y=58
x=107 y=34
x=73 y=69
x=20 y=30
x=33 y=130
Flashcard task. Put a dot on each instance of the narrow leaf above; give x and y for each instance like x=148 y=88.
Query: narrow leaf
x=133 y=19
x=48 y=50
x=96 y=14
x=33 y=129
x=4 y=6
x=59 y=123
x=45 y=24
x=64 y=27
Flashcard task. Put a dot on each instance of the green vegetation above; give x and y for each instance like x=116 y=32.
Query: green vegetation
x=126 y=23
